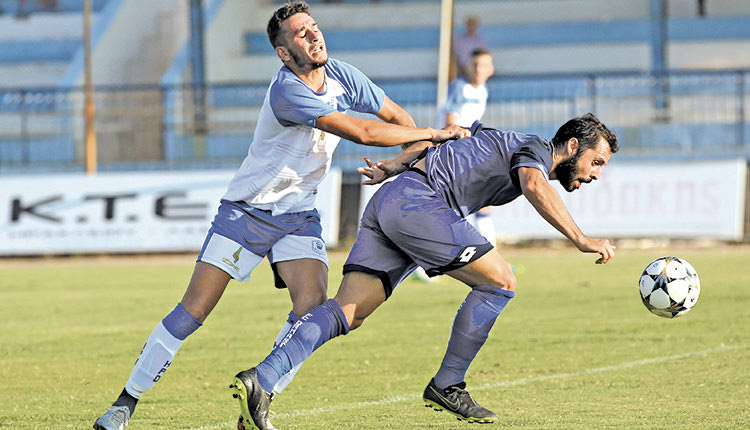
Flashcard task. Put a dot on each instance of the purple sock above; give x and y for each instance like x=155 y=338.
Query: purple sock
x=306 y=335
x=471 y=326
x=179 y=323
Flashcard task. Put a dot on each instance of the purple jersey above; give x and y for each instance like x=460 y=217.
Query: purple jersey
x=481 y=170
x=418 y=218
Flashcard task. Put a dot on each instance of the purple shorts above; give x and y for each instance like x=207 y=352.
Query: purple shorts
x=405 y=224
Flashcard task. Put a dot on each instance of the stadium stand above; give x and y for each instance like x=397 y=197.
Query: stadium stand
x=37 y=44
x=578 y=55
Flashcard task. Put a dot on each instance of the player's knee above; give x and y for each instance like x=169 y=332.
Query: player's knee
x=197 y=310
x=356 y=323
x=308 y=300
x=505 y=279
x=512 y=281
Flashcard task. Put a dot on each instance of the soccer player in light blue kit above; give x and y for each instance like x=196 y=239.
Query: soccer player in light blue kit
x=269 y=207
x=419 y=219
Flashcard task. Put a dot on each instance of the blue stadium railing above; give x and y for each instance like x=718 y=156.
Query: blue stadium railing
x=10 y=7
x=547 y=34
x=154 y=127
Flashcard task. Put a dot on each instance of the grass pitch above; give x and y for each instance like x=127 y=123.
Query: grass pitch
x=575 y=349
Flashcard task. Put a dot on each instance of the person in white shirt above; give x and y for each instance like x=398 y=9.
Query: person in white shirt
x=466 y=99
x=269 y=207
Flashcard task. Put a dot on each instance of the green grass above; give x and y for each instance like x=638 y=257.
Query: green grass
x=574 y=350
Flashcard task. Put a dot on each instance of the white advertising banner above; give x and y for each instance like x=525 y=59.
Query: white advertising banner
x=124 y=212
x=702 y=199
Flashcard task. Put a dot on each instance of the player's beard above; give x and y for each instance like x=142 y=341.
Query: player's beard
x=567 y=171
x=313 y=64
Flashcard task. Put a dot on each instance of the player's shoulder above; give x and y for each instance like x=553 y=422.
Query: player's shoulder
x=513 y=138
x=527 y=139
x=459 y=82
x=286 y=86
x=341 y=69
x=284 y=78
x=531 y=145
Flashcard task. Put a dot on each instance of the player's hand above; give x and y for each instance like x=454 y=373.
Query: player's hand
x=380 y=171
x=603 y=247
x=452 y=131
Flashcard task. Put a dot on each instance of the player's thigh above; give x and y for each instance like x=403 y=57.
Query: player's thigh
x=300 y=263
x=431 y=233
x=204 y=290
x=239 y=238
x=307 y=282
x=489 y=269
x=376 y=255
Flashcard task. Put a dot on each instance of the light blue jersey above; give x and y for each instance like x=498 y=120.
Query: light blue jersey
x=269 y=207
x=465 y=101
x=288 y=156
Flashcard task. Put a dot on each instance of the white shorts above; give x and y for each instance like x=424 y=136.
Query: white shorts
x=241 y=236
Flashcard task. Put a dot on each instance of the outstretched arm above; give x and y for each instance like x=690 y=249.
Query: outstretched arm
x=378 y=133
x=384 y=169
x=396 y=128
x=550 y=206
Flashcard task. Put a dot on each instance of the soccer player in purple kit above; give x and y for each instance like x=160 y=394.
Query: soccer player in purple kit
x=419 y=219
x=269 y=207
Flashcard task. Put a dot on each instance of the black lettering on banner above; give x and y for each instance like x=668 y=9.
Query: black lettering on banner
x=165 y=209
x=109 y=203
x=17 y=209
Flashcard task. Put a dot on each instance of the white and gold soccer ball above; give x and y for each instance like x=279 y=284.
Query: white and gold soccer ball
x=669 y=287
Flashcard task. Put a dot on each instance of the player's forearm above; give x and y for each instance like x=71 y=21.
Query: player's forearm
x=377 y=133
x=410 y=153
x=373 y=132
x=550 y=206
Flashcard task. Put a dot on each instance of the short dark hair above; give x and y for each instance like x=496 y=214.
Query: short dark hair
x=480 y=51
x=281 y=15
x=588 y=130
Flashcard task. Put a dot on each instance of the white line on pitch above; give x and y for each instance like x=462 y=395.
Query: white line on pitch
x=513 y=383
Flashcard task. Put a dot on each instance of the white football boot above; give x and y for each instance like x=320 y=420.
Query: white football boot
x=115 y=418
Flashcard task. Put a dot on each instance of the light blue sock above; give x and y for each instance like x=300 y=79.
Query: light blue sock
x=471 y=326
x=306 y=335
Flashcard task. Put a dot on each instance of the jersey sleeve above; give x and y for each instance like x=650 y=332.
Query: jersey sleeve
x=295 y=104
x=536 y=154
x=455 y=98
x=364 y=96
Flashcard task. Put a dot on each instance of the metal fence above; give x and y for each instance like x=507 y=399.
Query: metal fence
x=153 y=127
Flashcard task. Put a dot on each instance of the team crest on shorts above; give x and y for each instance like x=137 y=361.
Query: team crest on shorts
x=318 y=246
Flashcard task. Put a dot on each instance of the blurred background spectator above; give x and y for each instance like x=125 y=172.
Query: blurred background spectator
x=465 y=43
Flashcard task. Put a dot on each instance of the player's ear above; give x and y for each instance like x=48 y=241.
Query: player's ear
x=572 y=146
x=283 y=53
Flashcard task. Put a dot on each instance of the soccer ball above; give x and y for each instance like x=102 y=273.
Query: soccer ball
x=669 y=287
